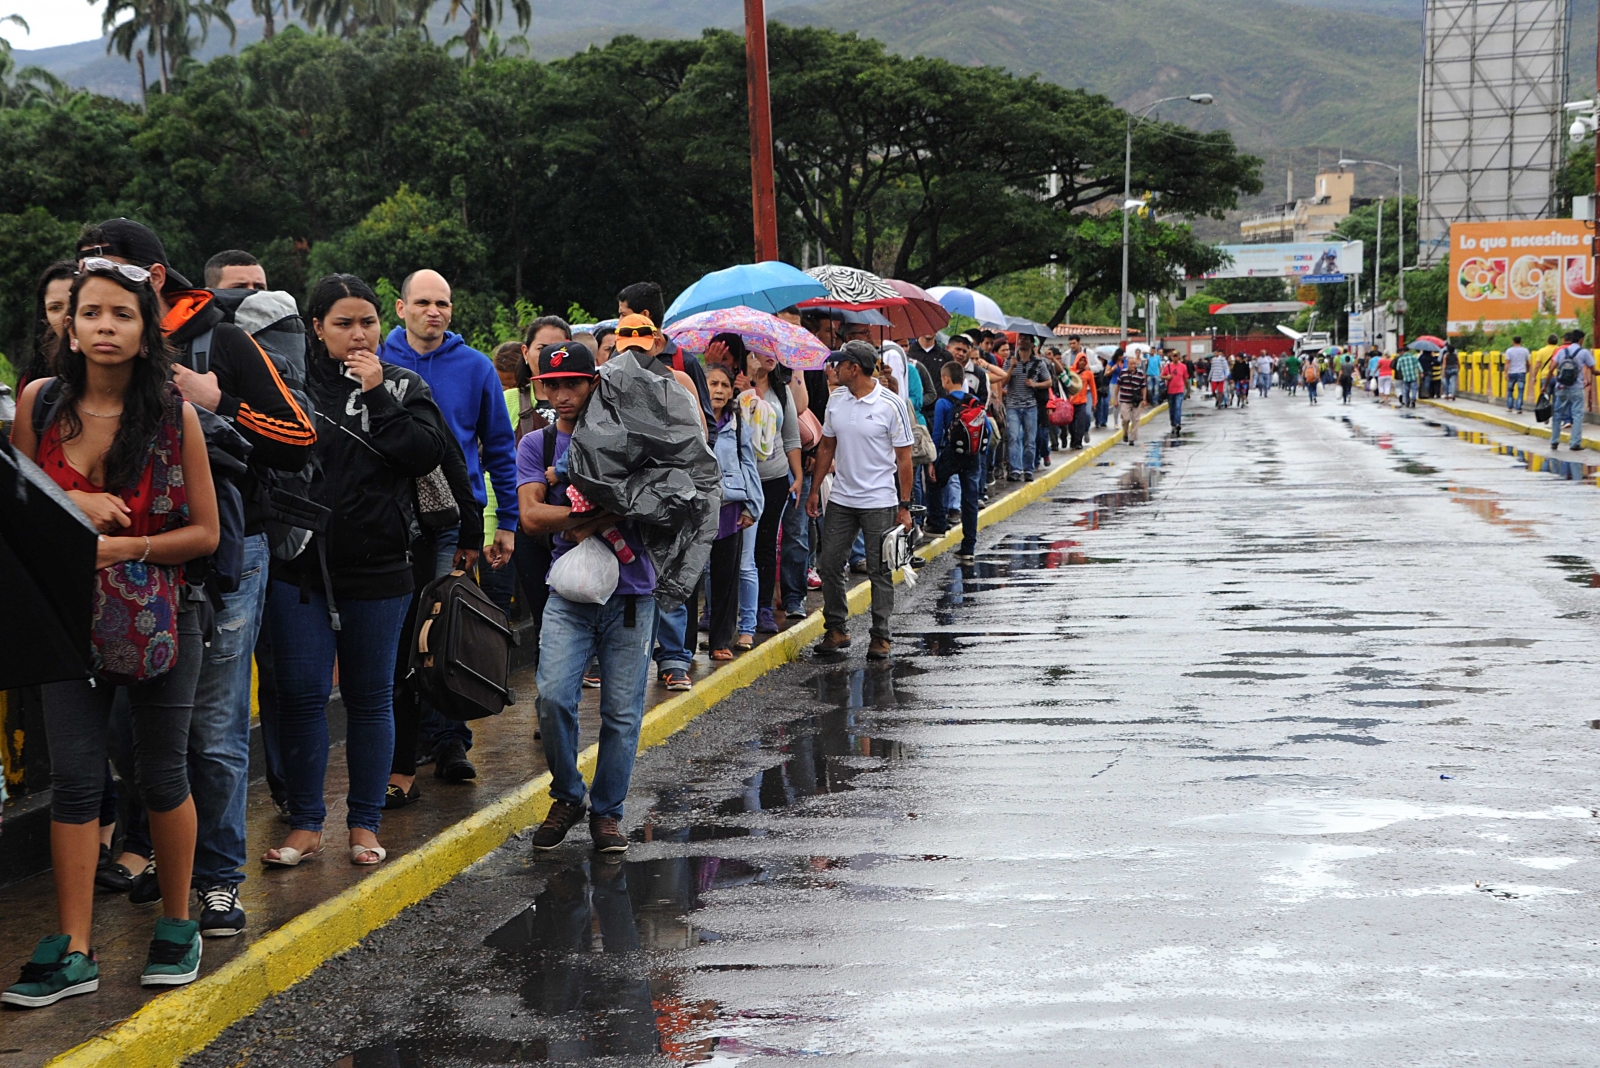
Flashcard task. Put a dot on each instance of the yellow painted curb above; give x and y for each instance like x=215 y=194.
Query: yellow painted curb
x=1535 y=431
x=175 y=1025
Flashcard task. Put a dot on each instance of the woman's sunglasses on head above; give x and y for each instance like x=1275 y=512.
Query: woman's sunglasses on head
x=135 y=274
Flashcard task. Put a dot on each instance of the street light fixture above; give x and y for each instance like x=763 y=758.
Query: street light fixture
x=1128 y=203
x=1400 y=249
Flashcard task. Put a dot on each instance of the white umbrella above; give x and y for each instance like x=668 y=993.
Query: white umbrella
x=959 y=300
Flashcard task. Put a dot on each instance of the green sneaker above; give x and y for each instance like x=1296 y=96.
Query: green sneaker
x=53 y=974
x=174 y=954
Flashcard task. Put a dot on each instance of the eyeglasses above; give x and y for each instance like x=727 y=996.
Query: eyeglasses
x=136 y=275
x=636 y=331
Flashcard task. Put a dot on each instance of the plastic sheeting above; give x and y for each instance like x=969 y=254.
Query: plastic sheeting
x=639 y=451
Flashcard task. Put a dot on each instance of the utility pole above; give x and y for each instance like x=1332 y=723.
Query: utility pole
x=763 y=195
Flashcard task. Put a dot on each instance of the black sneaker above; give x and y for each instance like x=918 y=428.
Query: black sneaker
x=562 y=818
x=220 y=914
x=452 y=764
x=606 y=832
x=146 y=890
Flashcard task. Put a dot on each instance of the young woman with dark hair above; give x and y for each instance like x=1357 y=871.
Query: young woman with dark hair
x=50 y=296
x=781 y=481
x=128 y=451
x=346 y=595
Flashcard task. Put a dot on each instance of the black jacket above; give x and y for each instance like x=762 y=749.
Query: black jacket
x=371 y=445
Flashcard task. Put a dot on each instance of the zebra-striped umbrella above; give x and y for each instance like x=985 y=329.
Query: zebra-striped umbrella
x=851 y=285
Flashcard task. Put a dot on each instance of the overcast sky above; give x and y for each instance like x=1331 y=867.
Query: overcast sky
x=53 y=22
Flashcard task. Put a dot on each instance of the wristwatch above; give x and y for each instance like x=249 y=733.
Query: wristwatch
x=905 y=504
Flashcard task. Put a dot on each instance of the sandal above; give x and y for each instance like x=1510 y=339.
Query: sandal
x=356 y=852
x=722 y=654
x=290 y=857
x=745 y=643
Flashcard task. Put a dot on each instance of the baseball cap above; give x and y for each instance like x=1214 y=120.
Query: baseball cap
x=635 y=332
x=859 y=353
x=134 y=242
x=570 y=359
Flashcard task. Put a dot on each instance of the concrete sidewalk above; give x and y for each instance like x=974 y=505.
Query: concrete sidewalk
x=301 y=917
x=1523 y=422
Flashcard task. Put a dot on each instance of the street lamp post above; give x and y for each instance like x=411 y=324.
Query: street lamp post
x=1400 y=250
x=1127 y=188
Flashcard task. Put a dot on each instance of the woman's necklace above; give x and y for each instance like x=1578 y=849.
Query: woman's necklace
x=98 y=415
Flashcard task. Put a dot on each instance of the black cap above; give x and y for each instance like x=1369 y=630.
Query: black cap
x=134 y=242
x=570 y=359
x=859 y=353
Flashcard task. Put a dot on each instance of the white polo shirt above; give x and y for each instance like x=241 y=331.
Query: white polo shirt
x=866 y=432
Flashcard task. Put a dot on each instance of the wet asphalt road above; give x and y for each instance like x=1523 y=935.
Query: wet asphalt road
x=1273 y=747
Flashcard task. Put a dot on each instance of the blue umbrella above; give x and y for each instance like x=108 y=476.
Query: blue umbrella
x=769 y=287
x=969 y=302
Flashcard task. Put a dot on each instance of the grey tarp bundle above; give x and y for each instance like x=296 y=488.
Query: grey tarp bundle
x=639 y=451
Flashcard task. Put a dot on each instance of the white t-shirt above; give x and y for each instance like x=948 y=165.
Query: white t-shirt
x=866 y=432
x=1517 y=360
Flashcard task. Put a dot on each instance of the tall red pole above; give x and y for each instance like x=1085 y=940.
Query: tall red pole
x=763 y=197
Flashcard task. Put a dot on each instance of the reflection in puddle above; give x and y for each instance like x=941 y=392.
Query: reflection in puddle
x=1484 y=503
x=1579 y=571
x=1337 y=815
x=1571 y=470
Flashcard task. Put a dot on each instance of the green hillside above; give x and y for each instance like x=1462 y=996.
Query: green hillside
x=1285 y=75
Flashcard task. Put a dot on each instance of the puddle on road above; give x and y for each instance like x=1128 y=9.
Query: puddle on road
x=1350 y=739
x=1487 y=507
x=1580 y=572
x=1338 y=815
x=1570 y=470
x=1240 y=674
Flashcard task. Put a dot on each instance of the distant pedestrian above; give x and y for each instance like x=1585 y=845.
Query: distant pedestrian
x=1516 y=374
x=1176 y=376
x=1385 y=379
x=1452 y=371
x=1312 y=376
x=1263 y=366
x=1570 y=368
x=1409 y=369
x=1130 y=398
x=1291 y=373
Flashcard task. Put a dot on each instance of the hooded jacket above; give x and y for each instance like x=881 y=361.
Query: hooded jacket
x=370 y=446
x=467 y=390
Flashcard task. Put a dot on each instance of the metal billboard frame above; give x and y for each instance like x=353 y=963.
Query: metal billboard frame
x=1490 y=136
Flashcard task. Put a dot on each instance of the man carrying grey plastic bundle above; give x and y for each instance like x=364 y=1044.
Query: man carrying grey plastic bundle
x=866 y=445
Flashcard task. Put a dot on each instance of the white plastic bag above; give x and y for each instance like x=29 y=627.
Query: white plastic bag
x=586 y=574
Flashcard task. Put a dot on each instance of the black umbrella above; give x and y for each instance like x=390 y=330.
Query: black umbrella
x=1423 y=344
x=1018 y=325
x=47 y=577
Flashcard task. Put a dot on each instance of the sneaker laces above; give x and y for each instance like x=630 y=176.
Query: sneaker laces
x=38 y=972
x=164 y=952
x=561 y=814
x=608 y=826
x=219 y=899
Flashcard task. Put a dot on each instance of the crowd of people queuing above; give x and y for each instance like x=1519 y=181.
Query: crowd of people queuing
x=283 y=504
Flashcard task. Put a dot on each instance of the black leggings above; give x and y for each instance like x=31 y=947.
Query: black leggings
x=722 y=596
x=776 y=492
x=77 y=723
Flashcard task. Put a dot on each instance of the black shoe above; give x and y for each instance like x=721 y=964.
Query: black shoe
x=220 y=914
x=606 y=833
x=282 y=805
x=1576 y=448
x=452 y=764
x=146 y=890
x=561 y=819
x=858 y=567
x=394 y=797
x=110 y=875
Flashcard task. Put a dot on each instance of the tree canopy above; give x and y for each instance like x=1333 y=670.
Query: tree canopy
x=556 y=183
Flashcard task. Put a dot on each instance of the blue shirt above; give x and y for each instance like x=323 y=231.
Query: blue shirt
x=469 y=394
x=638 y=577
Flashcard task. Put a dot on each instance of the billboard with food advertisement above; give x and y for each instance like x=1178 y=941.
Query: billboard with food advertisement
x=1509 y=272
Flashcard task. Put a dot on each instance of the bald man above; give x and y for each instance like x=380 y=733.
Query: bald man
x=467 y=390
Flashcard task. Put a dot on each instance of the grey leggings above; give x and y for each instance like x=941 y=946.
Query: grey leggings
x=77 y=717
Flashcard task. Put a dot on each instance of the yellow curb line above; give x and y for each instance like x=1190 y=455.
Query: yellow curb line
x=171 y=1027
x=1535 y=431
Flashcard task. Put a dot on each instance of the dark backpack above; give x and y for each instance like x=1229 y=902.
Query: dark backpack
x=460 y=657
x=964 y=438
x=1567 y=366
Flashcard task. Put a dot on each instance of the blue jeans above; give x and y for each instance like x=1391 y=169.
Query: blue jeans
x=1408 y=393
x=749 y=581
x=672 y=638
x=796 y=553
x=1567 y=407
x=1102 y=407
x=219 y=727
x=1041 y=437
x=573 y=634
x=966 y=483
x=304 y=647
x=1175 y=409
x=1263 y=383
x=1450 y=378
x=1022 y=431
x=1516 y=384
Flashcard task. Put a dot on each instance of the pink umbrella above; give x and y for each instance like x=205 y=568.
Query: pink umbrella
x=769 y=335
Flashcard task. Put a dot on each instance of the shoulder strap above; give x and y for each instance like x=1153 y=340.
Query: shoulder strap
x=549 y=433
x=200 y=352
x=47 y=405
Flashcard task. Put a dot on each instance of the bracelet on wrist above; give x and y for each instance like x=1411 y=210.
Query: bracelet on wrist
x=146 y=555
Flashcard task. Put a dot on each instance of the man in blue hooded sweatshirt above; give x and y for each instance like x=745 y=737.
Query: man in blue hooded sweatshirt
x=468 y=392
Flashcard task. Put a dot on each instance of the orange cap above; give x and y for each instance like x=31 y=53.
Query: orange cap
x=636 y=332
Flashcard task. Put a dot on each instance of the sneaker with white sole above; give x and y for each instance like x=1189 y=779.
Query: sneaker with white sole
x=174 y=958
x=53 y=974
x=220 y=914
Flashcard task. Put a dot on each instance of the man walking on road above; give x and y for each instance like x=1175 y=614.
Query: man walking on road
x=866 y=443
x=467 y=389
x=1130 y=397
x=1570 y=367
x=1516 y=374
x=1409 y=368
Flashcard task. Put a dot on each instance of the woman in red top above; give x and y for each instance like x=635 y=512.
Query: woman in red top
x=130 y=454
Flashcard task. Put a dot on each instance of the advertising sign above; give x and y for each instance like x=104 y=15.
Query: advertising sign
x=1318 y=259
x=1509 y=272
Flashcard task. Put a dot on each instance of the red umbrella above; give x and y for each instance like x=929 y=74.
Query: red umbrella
x=1441 y=342
x=921 y=314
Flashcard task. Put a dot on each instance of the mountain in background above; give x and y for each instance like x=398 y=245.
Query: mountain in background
x=1297 y=82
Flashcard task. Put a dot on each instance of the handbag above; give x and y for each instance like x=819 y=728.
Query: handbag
x=1060 y=411
x=135 y=625
x=810 y=430
x=1545 y=408
x=436 y=505
x=922 y=449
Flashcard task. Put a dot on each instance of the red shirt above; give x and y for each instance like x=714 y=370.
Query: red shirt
x=1177 y=376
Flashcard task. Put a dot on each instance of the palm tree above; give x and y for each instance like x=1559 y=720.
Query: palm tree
x=481 y=17
x=164 y=24
x=349 y=18
x=5 y=45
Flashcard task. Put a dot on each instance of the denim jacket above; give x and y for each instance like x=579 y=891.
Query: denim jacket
x=736 y=455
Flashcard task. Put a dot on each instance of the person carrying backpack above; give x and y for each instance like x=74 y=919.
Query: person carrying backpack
x=958 y=425
x=242 y=392
x=1569 y=386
